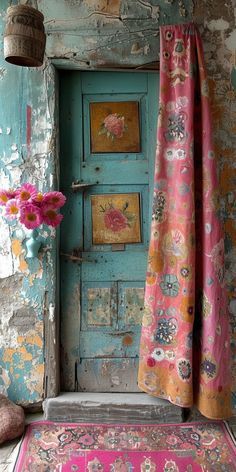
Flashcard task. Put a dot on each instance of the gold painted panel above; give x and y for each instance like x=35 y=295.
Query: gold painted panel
x=116 y=218
x=114 y=127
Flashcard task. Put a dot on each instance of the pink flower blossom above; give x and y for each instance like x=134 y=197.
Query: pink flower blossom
x=5 y=196
x=32 y=208
x=115 y=124
x=50 y=216
x=115 y=220
x=12 y=209
x=30 y=216
x=55 y=199
x=26 y=193
x=38 y=199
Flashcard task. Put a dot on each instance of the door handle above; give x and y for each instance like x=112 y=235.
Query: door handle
x=74 y=257
x=80 y=186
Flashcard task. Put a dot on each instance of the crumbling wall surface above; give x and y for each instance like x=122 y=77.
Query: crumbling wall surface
x=27 y=154
x=217 y=27
x=106 y=33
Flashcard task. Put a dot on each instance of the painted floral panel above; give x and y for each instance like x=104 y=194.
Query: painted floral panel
x=114 y=127
x=116 y=218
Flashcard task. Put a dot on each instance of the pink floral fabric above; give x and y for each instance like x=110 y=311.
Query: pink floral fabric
x=184 y=349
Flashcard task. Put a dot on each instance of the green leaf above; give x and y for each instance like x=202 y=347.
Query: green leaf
x=131 y=217
x=102 y=131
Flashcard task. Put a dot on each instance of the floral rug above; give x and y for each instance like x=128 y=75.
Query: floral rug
x=187 y=447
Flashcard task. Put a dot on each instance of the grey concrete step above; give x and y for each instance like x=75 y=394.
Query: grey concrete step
x=111 y=408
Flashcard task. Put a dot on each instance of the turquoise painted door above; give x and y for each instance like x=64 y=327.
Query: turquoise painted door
x=108 y=137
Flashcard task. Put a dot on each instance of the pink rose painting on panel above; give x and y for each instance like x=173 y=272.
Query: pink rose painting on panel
x=116 y=218
x=114 y=126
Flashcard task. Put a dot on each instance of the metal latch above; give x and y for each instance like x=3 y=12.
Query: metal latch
x=75 y=256
x=120 y=333
x=80 y=186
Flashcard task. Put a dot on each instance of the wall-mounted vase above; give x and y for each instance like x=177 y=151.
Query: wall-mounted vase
x=33 y=244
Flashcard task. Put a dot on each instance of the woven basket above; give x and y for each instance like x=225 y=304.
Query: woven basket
x=24 y=36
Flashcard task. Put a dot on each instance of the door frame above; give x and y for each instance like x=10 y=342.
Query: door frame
x=52 y=310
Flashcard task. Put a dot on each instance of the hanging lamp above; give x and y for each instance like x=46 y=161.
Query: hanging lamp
x=24 y=36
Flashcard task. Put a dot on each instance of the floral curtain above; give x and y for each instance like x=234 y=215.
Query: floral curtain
x=184 y=350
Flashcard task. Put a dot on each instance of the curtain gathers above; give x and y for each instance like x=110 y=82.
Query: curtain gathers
x=185 y=347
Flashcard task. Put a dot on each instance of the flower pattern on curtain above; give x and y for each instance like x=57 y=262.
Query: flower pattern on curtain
x=184 y=347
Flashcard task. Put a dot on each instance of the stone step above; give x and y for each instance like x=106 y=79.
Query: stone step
x=111 y=408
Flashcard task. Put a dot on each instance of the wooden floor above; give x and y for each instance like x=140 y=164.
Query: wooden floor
x=9 y=451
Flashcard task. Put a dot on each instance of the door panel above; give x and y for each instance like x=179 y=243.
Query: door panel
x=130 y=304
x=108 y=375
x=120 y=174
x=99 y=305
x=142 y=190
x=113 y=266
x=109 y=98
x=102 y=284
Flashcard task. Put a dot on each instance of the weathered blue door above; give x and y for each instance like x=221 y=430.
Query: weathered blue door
x=108 y=136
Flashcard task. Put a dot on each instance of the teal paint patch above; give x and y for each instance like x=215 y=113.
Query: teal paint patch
x=24 y=386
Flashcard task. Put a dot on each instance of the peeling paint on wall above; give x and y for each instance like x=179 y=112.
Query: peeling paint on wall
x=219 y=40
x=27 y=153
x=102 y=33
x=20 y=343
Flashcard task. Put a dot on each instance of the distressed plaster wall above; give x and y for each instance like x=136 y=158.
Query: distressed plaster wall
x=27 y=153
x=218 y=32
x=86 y=35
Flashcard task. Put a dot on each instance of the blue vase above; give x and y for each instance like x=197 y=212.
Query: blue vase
x=33 y=244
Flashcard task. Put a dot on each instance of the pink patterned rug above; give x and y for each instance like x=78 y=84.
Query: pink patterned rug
x=187 y=447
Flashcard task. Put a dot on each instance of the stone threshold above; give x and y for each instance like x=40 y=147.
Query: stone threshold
x=111 y=408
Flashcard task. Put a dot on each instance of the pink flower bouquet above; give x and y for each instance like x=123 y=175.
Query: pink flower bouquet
x=31 y=207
